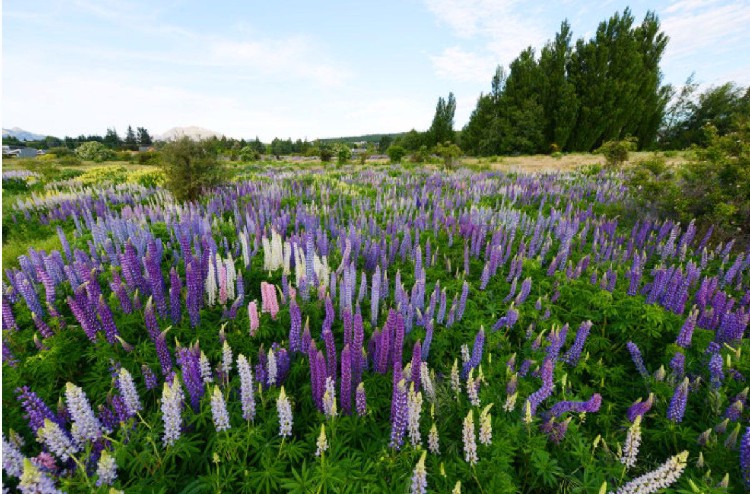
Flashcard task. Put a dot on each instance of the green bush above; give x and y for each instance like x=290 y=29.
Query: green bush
x=396 y=153
x=343 y=154
x=70 y=160
x=95 y=151
x=189 y=167
x=617 y=152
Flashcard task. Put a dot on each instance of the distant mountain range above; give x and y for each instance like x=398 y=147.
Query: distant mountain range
x=22 y=135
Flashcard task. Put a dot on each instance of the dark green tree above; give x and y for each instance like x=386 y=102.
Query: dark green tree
x=190 y=167
x=111 y=139
x=384 y=142
x=131 y=142
x=441 y=129
x=144 y=138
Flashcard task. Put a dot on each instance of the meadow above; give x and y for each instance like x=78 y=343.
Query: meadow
x=376 y=328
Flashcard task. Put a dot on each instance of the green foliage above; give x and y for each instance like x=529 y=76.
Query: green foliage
x=94 y=151
x=325 y=153
x=617 y=152
x=190 y=167
x=441 y=129
x=343 y=154
x=449 y=152
x=396 y=153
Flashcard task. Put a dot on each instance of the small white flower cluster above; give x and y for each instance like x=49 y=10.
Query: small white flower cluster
x=632 y=443
x=662 y=477
x=470 y=443
x=414 y=408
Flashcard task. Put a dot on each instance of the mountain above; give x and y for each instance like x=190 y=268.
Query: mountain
x=192 y=132
x=22 y=135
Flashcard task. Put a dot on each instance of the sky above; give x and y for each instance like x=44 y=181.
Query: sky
x=307 y=70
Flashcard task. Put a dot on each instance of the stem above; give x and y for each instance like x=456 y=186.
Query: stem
x=143 y=421
x=474 y=474
x=82 y=469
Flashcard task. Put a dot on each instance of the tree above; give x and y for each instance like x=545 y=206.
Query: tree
x=325 y=152
x=384 y=142
x=144 y=138
x=190 y=167
x=449 y=152
x=130 y=140
x=111 y=139
x=343 y=154
x=441 y=129
x=94 y=151
x=396 y=153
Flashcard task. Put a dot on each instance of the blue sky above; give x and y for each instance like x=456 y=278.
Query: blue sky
x=304 y=69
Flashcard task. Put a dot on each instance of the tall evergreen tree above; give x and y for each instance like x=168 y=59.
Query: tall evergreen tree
x=558 y=94
x=111 y=139
x=130 y=141
x=441 y=129
x=144 y=138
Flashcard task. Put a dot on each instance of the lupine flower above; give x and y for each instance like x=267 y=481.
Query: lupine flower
x=457 y=488
x=12 y=457
x=635 y=354
x=322 y=443
x=219 y=410
x=86 y=426
x=485 y=426
x=677 y=405
x=226 y=359
x=574 y=352
x=455 y=378
x=590 y=406
x=469 y=436
x=476 y=353
x=129 y=393
x=106 y=469
x=661 y=478
x=171 y=409
x=433 y=440
x=346 y=381
x=148 y=377
x=205 y=369
x=640 y=408
x=419 y=477
x=360 y=399
x=414 y=413
x=329 y=399
x=744 y=457
x=427 y=385
x=247 y=391
x=686 y=333
x=34 y=481
x=272 y=368
x=399 y=414
x=632 y=443
x=57 y=441
x=472 y=389
x=731 y=440
x=284 y=410
x=715 y=367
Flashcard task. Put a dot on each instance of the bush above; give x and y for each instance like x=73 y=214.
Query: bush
x=109 y=174
x=396 y=153
x=326 y=153
x=617 y=152
x=95 y=151
x=148 y=158
x=449 y=152
x=190 y=167
x=248 y=154
x=60 y=151
x=70 y=160
x=344 y=154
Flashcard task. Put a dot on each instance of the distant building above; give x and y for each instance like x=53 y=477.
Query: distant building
x=27 y=153
x=19 y=152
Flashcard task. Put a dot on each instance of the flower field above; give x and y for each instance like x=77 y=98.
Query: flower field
x=370 y=329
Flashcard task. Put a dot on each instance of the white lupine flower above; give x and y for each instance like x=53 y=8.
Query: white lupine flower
x=322 y=442
x=455 y=378
x=285 y=258
x=211 y=286
x=85 y=424
x=129 y=393
x=272 y=369
x=206 y=373
x=427 y=385
x=329 y=399
x=231 y=277
x=219 y=410
x=433 y=440
x=245 y=249
x=267 y=254
x=247 y=393
x=485 y=426
x=510 y=402
x=106 y=469
x=414 y=411
x=661 y=478
x=226 y=358
x=465 y=355
x=52 y=436
x=632 y=442
x=469 y=436
x=472 y=389
x=284 y=409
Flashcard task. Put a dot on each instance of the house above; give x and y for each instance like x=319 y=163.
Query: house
x=9 y=153
x=27 y=153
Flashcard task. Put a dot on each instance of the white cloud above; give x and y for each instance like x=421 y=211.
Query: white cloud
x=694 y=25
x=461 y=65
x=497 y=26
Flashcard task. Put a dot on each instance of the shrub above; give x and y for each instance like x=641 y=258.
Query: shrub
x=248 y=154
x=95 y=151
x=396 y=153
x=617 y=152
x=70 y=160
x=189 y=167
x=326 y=153
x=148 y=158
x=344 y=154
x=103 y=174
x=147 y=178
x=449 y=152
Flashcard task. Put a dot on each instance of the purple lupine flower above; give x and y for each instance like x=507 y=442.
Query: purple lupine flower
x=485 y=278
x=12 y=458
x=86 y=426
x=640 y=408
x=42 y=326
x=524 y=293
x=677 y=364
x=331 y=366
x=462 y=301
x=171 y=409
x=635 y=354
x=175 y=291
x=677 y=405
x=360 y=399
x=84 y=318
x=715 y=367
x=108 y=322
x=346 y=381
x=9 y=322
x=574 y=352
x=419 y=477
x=545 y=391
x=25 y=287
x=357 y=348
x=416 y=365
x=745 y=457
x=686 y=333
x=476 y=354
x=398 y=413
x=36 y=410
x=295 y=329
x=194 y=295
x=189 y=361
x=148 y=377
x=590 y=406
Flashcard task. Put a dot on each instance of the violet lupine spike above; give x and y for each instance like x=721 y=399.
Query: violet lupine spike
x=357 y=348
x=476 y=354
x=398 y=414
x=108 y=322
x=331 y=364
x=375 y=297
x=462 y=301
x=175 y=292
x=36 y=410
x=346 y=381
x=42 y=326
x=26 y=289
x=635 y=354
x=86 y=427
x=9 y=322
x=416 y=365
x=591 y=405
x=640 y=408
x=83 y=319
x=189 y=362
x=295 y=329
x=678 y=403
x=574 y=352
x=360 y=399
x=194 y=294
x=545 y=391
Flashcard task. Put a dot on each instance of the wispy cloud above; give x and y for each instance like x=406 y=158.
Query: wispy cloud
x=498 y=27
